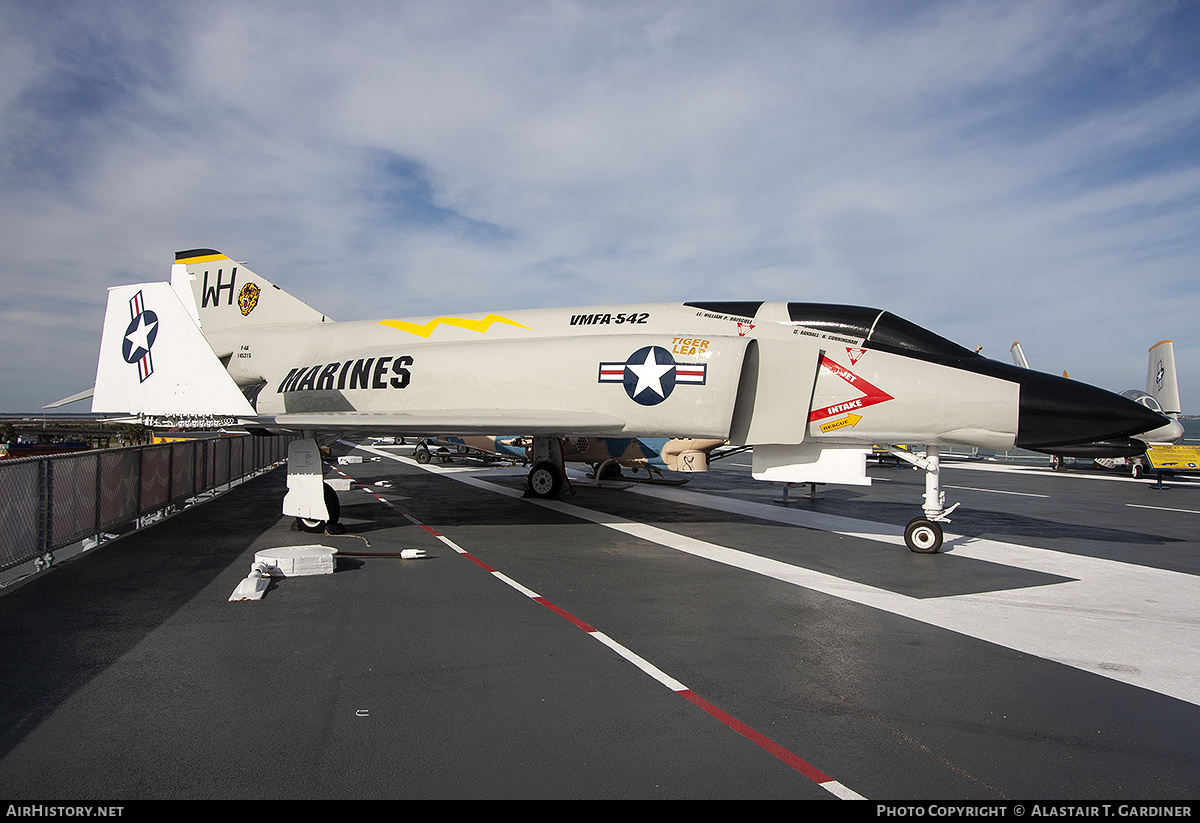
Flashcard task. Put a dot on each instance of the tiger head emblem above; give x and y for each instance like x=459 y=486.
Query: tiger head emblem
x=248 y=298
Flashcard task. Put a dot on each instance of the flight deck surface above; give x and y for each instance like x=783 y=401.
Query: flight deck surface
x=703 y=641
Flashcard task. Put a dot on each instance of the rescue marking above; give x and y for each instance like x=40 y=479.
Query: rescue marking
x=850 y=420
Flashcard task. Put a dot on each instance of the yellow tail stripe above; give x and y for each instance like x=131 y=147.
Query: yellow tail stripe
x=204 y=259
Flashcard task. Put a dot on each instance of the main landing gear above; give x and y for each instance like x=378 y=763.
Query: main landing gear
x=544 y=479
x=924 y=534
x=309 y=499
x=333 y=508
x=548 y=475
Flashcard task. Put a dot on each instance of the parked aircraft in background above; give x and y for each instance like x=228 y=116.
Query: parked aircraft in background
x=605 y=455
x=1161 y=395
x=810 y=386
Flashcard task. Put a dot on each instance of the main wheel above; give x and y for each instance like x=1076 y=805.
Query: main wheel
x=423 y=456
x=544 y=480
x=923 y=536
x=321 y=526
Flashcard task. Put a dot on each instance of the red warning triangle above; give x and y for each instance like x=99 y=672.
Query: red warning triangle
x=871 y=394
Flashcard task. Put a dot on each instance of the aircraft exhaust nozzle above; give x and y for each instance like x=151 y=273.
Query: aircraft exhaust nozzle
x=1056 y=412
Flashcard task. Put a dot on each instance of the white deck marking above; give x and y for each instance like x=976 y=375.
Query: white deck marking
x=1162 y=508
x=995 y=491
x=1130 y=623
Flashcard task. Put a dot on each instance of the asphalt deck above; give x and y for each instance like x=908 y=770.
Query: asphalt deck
x=703 y=641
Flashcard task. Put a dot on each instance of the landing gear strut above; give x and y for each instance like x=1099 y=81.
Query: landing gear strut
x=309 y=499
x=923 y=535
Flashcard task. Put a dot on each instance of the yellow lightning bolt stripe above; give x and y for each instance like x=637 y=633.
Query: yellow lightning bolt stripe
x=425 y=330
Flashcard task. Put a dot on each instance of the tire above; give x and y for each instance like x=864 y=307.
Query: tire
x=423 y=456
x=1137 y=471
x=923 y=536
x=544 y=480
x=334 y=506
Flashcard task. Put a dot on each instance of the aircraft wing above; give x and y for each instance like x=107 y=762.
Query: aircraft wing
x=529 y=422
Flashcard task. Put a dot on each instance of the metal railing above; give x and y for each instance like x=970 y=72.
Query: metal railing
x=53 y=501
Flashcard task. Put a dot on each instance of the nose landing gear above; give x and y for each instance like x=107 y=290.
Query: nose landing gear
x=923 y=535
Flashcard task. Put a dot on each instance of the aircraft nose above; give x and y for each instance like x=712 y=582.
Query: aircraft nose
x=1056 y=411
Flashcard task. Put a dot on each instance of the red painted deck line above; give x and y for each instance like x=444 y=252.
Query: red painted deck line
x=781 y=753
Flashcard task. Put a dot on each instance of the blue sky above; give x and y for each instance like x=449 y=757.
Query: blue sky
x=994 y=171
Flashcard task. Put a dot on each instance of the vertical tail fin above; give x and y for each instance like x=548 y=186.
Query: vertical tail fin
x=224 y=295
x=1161 y=382
x=154 y=360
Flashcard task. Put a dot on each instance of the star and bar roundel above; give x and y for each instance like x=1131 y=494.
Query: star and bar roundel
x=651 y=373
x=139 y=337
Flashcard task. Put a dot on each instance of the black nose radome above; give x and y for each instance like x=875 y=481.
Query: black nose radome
x=1055 y=411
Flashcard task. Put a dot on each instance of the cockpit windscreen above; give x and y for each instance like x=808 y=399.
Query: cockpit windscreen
x=877 y=329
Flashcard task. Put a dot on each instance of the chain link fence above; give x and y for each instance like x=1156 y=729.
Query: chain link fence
x=50 y=502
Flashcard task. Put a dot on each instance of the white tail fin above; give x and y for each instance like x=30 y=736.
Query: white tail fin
x=154 y=360
x=1161 y=382
x=224 y=295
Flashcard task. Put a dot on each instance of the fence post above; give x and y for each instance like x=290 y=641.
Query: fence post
x=45 y=503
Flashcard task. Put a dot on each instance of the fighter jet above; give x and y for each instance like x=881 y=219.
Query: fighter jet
x=811 y=387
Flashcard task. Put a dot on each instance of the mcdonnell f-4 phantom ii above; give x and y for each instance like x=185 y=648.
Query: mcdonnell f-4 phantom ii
x=811 y=387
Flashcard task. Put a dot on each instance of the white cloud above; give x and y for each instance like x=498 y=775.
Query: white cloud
x=990 y=170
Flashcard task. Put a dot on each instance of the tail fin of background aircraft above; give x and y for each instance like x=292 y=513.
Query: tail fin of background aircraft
x=224 y=295
x=154 y=360
x=1161 y=382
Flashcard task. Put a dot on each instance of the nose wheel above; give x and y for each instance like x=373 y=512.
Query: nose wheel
x=923 y=536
